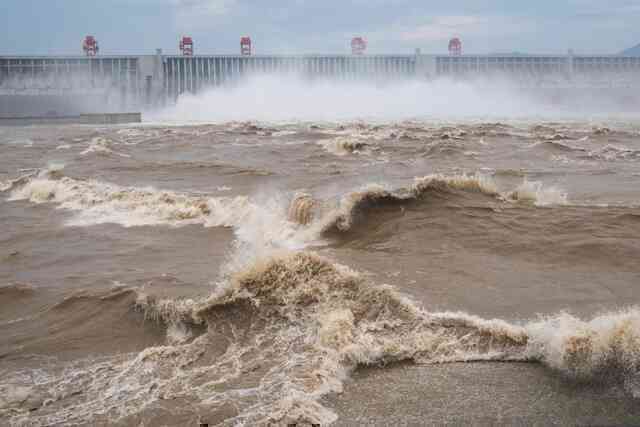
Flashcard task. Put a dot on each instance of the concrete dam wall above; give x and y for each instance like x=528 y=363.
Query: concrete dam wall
x=73 y=85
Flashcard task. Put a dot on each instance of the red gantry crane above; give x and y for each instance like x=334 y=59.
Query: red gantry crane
x=245 y=46
x=455 y=47
x=358 y=46
x=186 y=46
x=90 y=46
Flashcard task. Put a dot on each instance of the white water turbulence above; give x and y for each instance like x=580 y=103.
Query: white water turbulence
x=288 y=329
x=289 y=97
x=260 y=224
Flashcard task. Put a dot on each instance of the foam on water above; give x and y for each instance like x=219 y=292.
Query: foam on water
x=289 y=328
x=261 y=223
x=98 y=202
x=534 y=192
x=101 y=146
x=612 y=152
x=344 y=145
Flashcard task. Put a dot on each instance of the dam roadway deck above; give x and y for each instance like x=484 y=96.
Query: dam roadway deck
x=31 y=85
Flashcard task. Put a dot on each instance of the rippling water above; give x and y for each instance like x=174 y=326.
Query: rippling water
x=352 y=272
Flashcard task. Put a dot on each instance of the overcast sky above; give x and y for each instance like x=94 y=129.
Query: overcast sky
x=319 y=26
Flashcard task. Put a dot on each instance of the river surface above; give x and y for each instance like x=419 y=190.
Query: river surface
x=354 y=272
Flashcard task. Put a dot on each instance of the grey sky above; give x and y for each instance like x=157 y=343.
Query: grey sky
x=309 y=26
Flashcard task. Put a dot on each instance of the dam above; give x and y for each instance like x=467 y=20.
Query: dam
x=57 y=85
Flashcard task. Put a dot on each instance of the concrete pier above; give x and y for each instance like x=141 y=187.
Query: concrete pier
x=84 y=119
x=73 y=85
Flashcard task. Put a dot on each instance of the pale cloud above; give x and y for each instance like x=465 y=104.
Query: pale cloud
x=441 y=28
x=305 y=26
x=194 y=14
x=207 y=7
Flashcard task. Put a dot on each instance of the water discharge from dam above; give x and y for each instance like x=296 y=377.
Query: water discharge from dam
x=73 y=85
x=283 y=97
x=287 y=97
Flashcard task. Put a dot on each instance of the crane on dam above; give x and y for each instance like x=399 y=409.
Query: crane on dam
x=455 y=47
x=186 y=46
x=90 y=46
x=245 y=46
x=358 y=46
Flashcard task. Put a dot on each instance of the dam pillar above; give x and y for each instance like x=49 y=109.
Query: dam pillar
x=151 y=72
x=425 y=68
x=570 y=68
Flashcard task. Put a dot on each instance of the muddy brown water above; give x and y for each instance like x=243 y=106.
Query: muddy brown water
x=158 y=275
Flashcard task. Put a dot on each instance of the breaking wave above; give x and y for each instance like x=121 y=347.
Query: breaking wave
x=534 y=192
x=342 y=217
x=101 y=146
x=611 y=152
x=288 y=329
x=17 y=182
x=278 y=222
x=98 y=202
x=326 y=217
x=555 y=144
x=259 y=225
x=445 y=147
x=344 y=145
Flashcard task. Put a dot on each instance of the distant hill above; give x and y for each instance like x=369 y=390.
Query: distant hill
x=634 y=51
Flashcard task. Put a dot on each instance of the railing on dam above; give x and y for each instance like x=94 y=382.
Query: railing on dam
x=192 y=74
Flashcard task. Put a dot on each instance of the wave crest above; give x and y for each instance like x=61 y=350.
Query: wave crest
x=98 y=202
x=342 y=216
x=344 y=145
x=535 y=193
x=301 y=209
x=288 y=329
x=611 y=152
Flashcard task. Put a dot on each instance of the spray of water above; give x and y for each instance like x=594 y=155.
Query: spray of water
x=288 y=97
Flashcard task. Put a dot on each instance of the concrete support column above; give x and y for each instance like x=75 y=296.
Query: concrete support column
x=570 y=68
x=425 y=67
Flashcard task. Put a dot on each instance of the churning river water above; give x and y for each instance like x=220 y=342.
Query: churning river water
x=351 y=272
